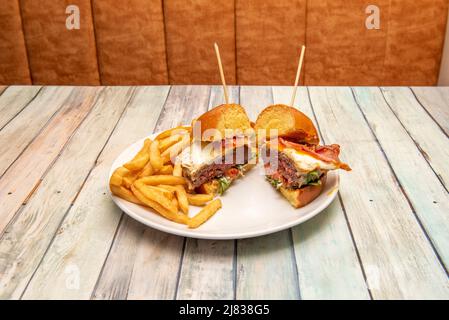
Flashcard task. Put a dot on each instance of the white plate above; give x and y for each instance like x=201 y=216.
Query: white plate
x=251 y=207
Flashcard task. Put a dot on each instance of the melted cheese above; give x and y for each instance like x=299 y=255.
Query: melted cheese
x=198 y=155
x=306 y=163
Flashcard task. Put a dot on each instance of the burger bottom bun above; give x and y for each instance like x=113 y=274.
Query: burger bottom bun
x=300 y=197
x=212 y=186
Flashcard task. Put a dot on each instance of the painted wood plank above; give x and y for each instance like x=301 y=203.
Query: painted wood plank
x=14 y=100
x=116 y=275
x=436 y=102
x=18 y=133
x=398 y=258
x=427 y=135
x=326 y=259
x=266 y=266
x=207 y=267
x=23 y=177
x=83 y=240
x=26 y=239
x=429 y=198
x=153 y=250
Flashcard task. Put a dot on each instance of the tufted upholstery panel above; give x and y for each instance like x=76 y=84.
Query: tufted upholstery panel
x=137 y=42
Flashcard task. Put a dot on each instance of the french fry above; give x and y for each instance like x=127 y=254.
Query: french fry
x=177 y=170
x=146 y=171
x=167 y=187
x=164 y=144
x=177 y=130
x=162 y=179
x=176 y=217
x=199 y=199
x=124 y=193
x=183 y=202
x=205 y=214
x=128 y=180
x=141 y=158
x=170 y=194
x=117 y=177
x=175 y=149
x=175 y=203
x=155 y=156
x=166 y=169
x=156 y=195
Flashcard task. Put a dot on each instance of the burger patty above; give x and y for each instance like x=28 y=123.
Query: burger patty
x=287 y=170
x=209 y=172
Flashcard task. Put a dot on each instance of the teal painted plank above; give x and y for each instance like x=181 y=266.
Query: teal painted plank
x=327 y=261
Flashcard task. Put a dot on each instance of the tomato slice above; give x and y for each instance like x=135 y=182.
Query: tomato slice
x=232 y=173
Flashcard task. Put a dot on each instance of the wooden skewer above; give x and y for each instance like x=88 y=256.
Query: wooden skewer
x=298 y=74
x=220 y=66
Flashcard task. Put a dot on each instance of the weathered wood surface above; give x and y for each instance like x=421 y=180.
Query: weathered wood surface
x=83 y=240
x=25 y=174
x=18 y=133
x=385 y=236
x=427 y=135
x=13 y=100
x=26 y=239
x=153 y=250
x=207 y=270
x=266 y=267
x=428 y=197
x=398 y=258
x=435 y=100
x=317 y=269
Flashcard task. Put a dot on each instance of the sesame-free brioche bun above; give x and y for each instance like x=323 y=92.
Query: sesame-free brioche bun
x=225 y=116
x=300 y=197
x=290 y=123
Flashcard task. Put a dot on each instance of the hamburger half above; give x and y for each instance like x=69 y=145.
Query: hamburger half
x=221 y=149
x=297 y=165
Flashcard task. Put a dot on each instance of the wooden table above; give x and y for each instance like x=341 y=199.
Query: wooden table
x=386 y=235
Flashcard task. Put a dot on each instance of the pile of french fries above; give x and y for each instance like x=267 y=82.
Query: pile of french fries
x=153 y=178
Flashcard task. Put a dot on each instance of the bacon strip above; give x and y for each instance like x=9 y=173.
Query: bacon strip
x=324 y=153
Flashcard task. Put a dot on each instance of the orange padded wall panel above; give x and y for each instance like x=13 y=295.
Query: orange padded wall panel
x=192 y=27
x=58 y=55
x=340 y=49
x=130 y=42
x=269 y=39
x=415 y=42
x=13 y=57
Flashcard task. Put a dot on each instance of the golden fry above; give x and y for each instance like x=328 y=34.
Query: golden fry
x=166 y=170
x=164 y=144
x=146 y=171
x=183 y=202
x=167 y=187
x=141 y=158
x=162 y=179
x=157 y=195
x=124 y=193
x=170 y=194
x=128 y=180
x=199 y=199
x=175 y=203
x=177 y=170
x=176 y=149
x=117 y=177
x=205 y=214
x=155 y=156
x=176 y=217
x=177 y=130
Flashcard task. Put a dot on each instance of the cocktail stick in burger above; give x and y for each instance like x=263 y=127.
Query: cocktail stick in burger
x=299 y=166
x=223 y=149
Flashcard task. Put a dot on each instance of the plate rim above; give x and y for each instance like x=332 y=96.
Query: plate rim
x=197 y=234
